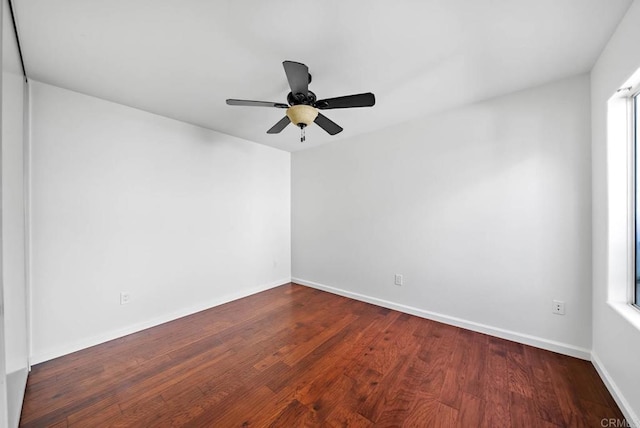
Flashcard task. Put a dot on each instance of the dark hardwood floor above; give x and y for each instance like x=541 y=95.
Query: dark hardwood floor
x=294 y=356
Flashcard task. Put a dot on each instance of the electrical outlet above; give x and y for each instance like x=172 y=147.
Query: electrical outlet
x=398 y=279
x=125 y=297
x=558 y=307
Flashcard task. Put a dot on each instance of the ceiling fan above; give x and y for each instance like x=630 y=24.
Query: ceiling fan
x=302 y=107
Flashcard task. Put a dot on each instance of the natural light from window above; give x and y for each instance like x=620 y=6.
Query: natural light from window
x=623 y=200
x=636 y=135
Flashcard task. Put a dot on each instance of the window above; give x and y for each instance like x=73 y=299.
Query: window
x=636 y=150
x=623 y=200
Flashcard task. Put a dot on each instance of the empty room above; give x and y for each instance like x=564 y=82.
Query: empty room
x=320 y=213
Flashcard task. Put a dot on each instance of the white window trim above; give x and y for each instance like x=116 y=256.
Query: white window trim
x=621 y=196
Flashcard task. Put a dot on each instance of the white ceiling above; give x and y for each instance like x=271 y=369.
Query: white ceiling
x=182 y=59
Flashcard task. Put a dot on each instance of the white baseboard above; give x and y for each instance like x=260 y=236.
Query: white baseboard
x=65 y=349
x=627 y=411
x=538 y=342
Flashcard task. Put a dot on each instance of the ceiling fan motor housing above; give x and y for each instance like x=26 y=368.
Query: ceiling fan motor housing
x=300 y=98
x=302 y=115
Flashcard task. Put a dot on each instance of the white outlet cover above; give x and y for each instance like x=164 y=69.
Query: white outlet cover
x=125 y=298
x=558 y=307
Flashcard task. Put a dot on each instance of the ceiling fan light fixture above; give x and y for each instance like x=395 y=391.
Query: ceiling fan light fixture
x=302 y=114
x=302 y=107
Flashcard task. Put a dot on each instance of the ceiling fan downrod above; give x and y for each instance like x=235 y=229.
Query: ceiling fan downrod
x=302 y=136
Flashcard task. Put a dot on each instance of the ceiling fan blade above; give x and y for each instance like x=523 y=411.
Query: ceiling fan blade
x=275 y=129
x=298 y=77
x=249 y=103
x=348 y=101
x=327 y=124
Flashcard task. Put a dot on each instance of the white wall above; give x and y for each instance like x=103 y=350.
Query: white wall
x=13 y=220
x=181 y=217
x=484 y=209
x=616 y=342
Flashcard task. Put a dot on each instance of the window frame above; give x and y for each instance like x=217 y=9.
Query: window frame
x=634 y=131
x=620 y=214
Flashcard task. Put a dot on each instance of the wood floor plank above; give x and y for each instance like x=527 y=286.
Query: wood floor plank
x=181 y=408
x=498 y=407
x=423 y=411
x=323 y=395
x=393 y=365
x=396 y=405
x=296 y=356
x=519 y=374
x=301 y=351
x=476 y=377
x=454 y=380
x=522 y=411
x=472 y=409
x=342 y=417
x=426 y=372
x=291 y=415
x=546 y=401
x=446 y=416
x=101 y=411
x=66 y=401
